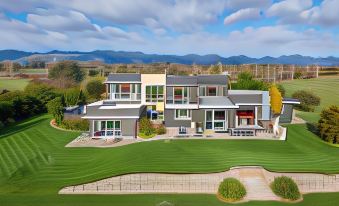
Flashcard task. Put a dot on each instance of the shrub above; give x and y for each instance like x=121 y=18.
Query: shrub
x=146 y=127
x=6 y=112
x=245 y=76
x=307 y=99
x=23 y=105
x=95 y=88
x=297 y=75
x=231 y=189
x=56 y=108
x=41 y=91
x=161 y=129
x=75 y=124
x=328 y=124
x=285 y=187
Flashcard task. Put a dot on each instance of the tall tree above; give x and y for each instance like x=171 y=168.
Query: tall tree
x=66 y=73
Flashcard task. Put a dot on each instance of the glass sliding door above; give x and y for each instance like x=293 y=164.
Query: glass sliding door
x=216 y=120
x=109 y=128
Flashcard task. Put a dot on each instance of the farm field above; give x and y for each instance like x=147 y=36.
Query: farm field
x=35 y=164
x=13 y=84
x=326 y=88
x=33 y=71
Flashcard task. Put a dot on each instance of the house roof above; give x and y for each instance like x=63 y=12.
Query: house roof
x=212 y=79
x=123 y=77
x=181 y=80
x=216 y=102
x=195 y=80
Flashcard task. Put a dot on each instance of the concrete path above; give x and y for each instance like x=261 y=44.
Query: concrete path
x=255 y=179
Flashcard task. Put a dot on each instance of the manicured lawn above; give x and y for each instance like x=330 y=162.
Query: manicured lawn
x=327 y=88
x=13 y=84
x=35 y=164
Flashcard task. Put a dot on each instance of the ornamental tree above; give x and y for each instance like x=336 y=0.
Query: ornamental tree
x=276 y=100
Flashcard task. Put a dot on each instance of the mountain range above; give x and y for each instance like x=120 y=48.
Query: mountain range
x=112 y=57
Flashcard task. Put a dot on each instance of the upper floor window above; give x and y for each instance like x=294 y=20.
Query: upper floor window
x=181 y=95
x=212 y=91
x=124 y=91
x=155 y=93
x=208 y=91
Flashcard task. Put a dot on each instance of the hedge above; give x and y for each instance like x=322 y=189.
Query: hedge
x=231 y=189
x=75 y=124
x=285 y=187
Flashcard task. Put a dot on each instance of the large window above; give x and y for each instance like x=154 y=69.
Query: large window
x=125 y=92
x=181 y=95
x=216 y=120
x=183 y=114
x=107 y=128
x=212 y=90
x=155 y=93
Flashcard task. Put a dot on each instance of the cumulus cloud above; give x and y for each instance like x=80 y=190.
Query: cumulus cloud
x=64 y=21
x=325 y=15
x=243 y=14
x=288 y=7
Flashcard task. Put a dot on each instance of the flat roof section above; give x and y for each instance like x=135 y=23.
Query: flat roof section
x=216 y=103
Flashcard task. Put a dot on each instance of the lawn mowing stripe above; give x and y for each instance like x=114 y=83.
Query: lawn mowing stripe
x=4 y=168
x=42 y=157
x=15 y=159
x=22 y=155
x=9 y=164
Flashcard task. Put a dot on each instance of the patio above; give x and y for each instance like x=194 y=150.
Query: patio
x=172 y=134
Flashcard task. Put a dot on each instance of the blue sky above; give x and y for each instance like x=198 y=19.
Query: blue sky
x=226 y=27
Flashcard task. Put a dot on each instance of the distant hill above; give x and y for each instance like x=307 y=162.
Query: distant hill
x=112 y=57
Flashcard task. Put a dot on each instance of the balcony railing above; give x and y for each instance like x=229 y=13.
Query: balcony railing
x=125 y=96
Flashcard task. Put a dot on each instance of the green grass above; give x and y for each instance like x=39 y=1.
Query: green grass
x=33 y=71
x=35 y=165
x=13 y=84
x=326 y=88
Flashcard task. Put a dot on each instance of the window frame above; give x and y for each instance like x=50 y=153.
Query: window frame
x=154 y=98
x=180 y=117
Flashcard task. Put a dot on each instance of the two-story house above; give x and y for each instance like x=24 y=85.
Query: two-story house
x=198 y=103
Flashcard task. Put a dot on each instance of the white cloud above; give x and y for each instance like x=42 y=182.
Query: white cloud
x=63 y=21
x=288 y=7
x=243 y=14
x=327 y=14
